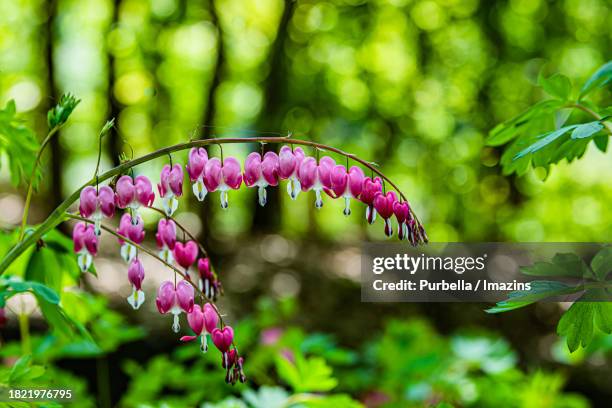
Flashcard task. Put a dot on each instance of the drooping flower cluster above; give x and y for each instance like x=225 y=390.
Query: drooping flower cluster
x=261 y=171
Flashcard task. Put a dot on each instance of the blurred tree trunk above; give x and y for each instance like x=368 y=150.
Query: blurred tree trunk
x=209 y=114
x=55 y=146
x=114 y=144
x=275 y=89
x=210 y=110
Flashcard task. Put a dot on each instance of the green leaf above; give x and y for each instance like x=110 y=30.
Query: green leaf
x=15 y=286
x=539 y=290
x=18 y=144
x=586 y=130
x=266 y=397
x=58 y=115
x=545 y=140
x=577 y=325
x=600 y=78
x=564 y=264
x=601 y=142
x=45 y=268
x=508 y=130
x=306 y=375
x=23 y=370
x=601 y=264
x=557 y=85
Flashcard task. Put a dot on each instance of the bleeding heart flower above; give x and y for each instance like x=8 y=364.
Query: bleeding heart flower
x=401 y=209
x=316 y=176
x=136 y=276
x=384 y=205
x=261 y=173
x=166 y=238
x=175 y=299
x=185 y=254
x=133 y=229
x=170 y=187
x=289 y=164
x=96 y=203
x=202 y=321
x=195 y=168
x=369 y=191
x=85 y=244
x=347 y=184
x=223 y=338
x=208 y=283
x=222 y=177
x=132 y=193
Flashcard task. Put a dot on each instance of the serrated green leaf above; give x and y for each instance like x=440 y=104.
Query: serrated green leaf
x=563 y=264
x=601 y=264
x=557 y=85
x=577 y=325
x=599 y=79
x=19 y=145
x=603 y=316
x=306 y=375
x=586 y=129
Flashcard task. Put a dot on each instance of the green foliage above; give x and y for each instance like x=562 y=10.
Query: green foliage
x=18 y=144
x=305 y=375
x=58 y=115
x=530 y=145
x=579 y=321
x=24 y=373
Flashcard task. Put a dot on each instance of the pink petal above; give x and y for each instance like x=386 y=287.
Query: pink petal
x=185 y=296
x=339 y=180
x=211 y=317
x=326 y=164
x=307 y=173
x=188 y=338
x=197 y=161
x=287 y=162
x=125 y=191
x=136 y=273
x=270 y=168
x=106 y=200
x=252 y=169
x=175 y=180
x=231 y=173
x=355 y=181
x=196 y=320
x=212 y=174
x=144 y=190
x=88 y=201
x=166 y=297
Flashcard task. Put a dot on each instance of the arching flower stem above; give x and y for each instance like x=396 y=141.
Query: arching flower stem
x=58 y=215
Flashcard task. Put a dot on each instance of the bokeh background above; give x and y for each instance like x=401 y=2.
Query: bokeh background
x=414 y=85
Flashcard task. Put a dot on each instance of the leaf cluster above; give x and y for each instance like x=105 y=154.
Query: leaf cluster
x=540 y=137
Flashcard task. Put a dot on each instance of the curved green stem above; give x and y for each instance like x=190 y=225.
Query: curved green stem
x=26 y=208
x=57 y=216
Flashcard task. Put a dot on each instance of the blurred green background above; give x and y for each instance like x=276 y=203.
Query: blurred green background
x=412 y=85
